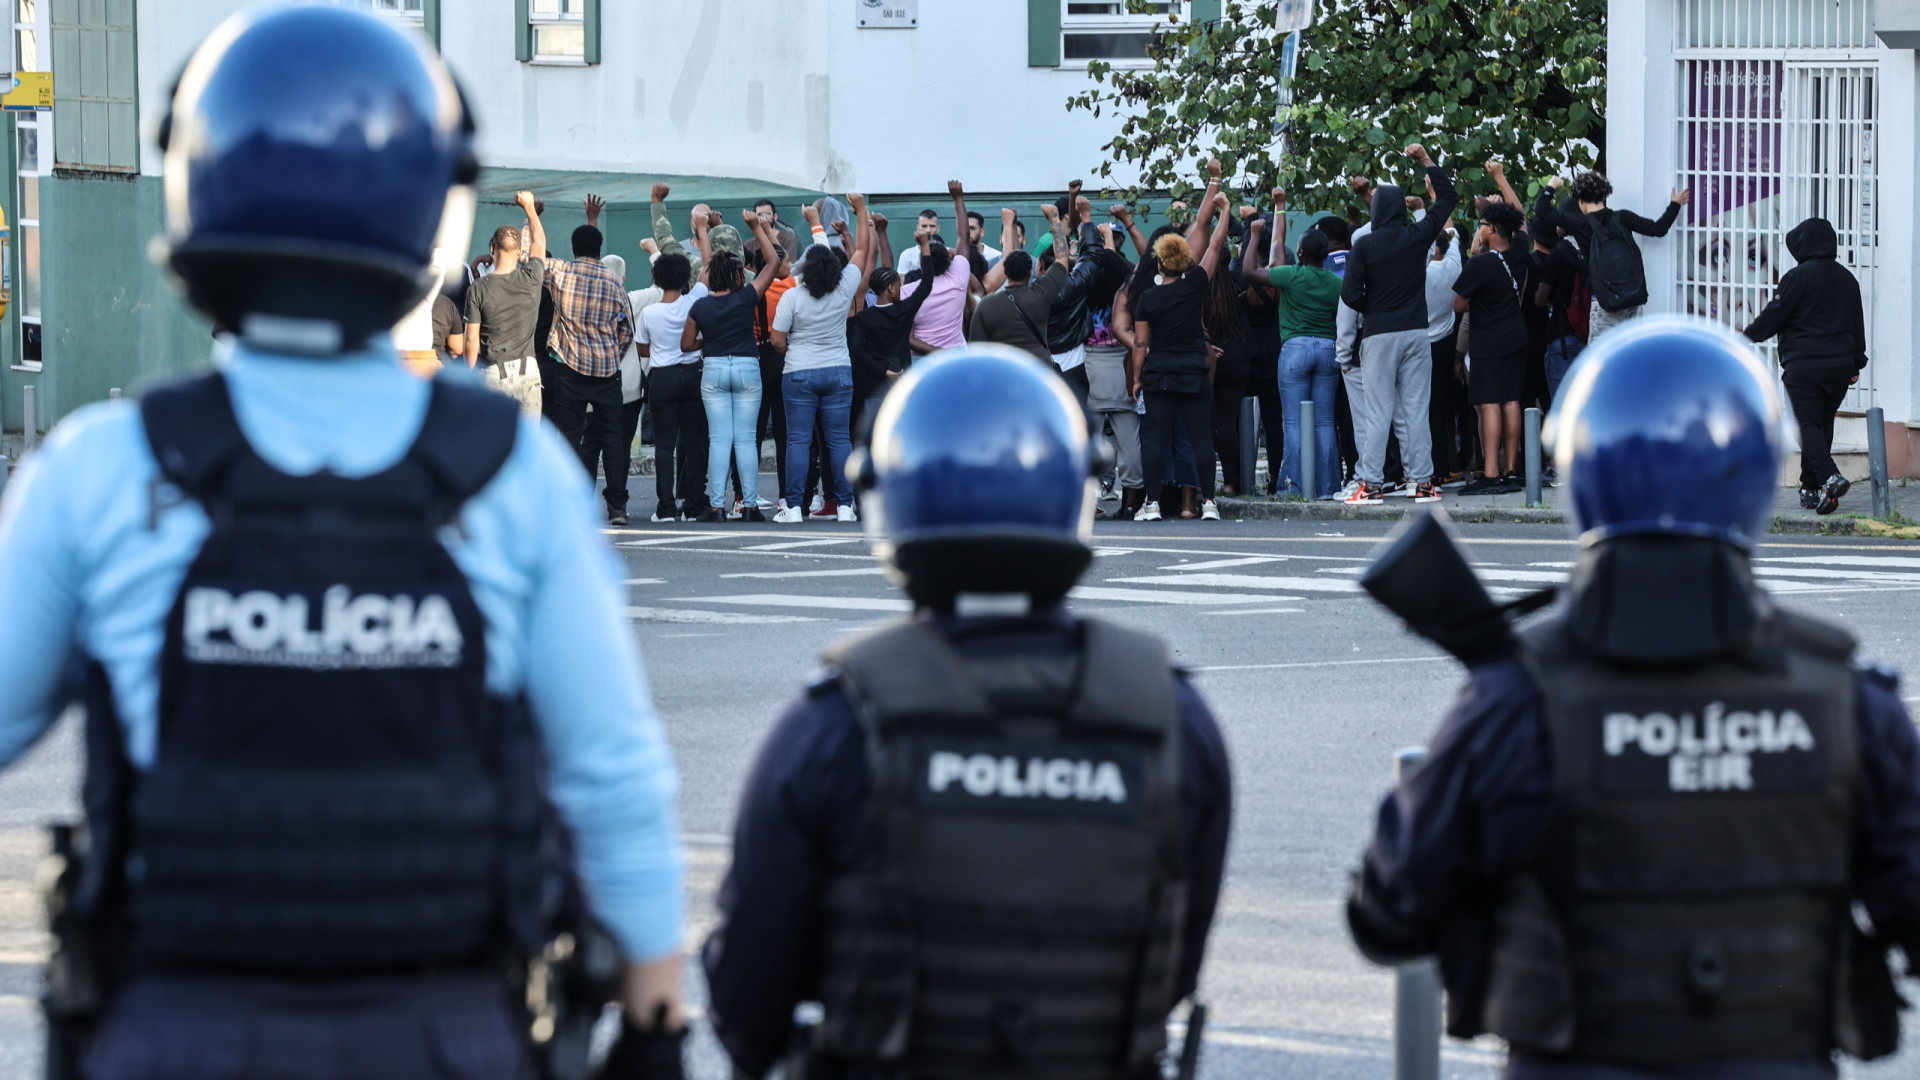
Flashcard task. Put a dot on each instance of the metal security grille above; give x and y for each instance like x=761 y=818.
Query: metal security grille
x=1773 y=24
x=1778 y=113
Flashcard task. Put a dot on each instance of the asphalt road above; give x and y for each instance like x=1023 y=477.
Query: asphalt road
x=1314 y=686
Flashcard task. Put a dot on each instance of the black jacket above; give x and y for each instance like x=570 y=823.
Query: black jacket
x=1816 y=310
x=1070 y=319
x=1386 y=279
x=877 y=339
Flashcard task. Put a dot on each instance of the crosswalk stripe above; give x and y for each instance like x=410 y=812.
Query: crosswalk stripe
x=1261 y=611
x=646 y=581
x=1845 y=560
x=1246 y=581
x=1325 y=663
x=826 y=603
x=680 y=615
x=1170 y=596
x=858 y=571
x=805 y=543
x=1862 y=576
x=659 y=541
x=1221 y=564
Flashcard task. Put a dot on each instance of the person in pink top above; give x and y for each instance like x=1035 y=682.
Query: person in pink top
x=939 y=322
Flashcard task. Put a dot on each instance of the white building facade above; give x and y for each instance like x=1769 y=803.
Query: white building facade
x=1774 y=111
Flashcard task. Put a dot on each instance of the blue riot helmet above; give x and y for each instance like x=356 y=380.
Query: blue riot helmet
x=315 y=156
x=979 y=479
x=1669 y=425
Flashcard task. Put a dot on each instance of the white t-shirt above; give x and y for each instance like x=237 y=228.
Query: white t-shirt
x=816 y=327
x=661 y=325
x=909 y=260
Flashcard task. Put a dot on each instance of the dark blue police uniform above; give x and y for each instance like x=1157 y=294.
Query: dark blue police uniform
x=803 y=804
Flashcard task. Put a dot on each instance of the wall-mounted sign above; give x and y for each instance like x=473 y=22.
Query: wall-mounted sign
x=889 y=14
x=32 y=91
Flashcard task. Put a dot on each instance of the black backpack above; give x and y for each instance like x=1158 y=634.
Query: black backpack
x=1614 y=270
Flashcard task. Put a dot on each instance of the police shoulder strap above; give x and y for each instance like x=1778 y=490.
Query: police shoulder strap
x=906 y=671
x=1126 y=680
x=192 y=432
x=468 y=434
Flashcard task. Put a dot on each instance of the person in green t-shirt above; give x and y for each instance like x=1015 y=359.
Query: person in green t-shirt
x=1308 y=295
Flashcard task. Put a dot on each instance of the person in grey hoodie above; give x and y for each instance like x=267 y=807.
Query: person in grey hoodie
x=1816 y=310
x=1386 y=282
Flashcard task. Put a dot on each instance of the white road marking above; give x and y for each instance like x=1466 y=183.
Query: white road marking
x=1221 y=564
x=784 y=545
x=662 y=540
x=1261 y=611
x=678 y=615
x=1325 y=663
x=1101 y=553
x=1845 y=560
x=1246 y=581
x=646 y=581
x=853 y=572
x=829 y=603
x=1170 y=596
x=1861 y=576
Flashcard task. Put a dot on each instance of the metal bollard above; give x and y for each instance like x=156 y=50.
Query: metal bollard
x=4 y=464
x=1877 y=461
x=113 y=393
x=1532 y=429
x=1249 y=447
x=29 y=420
x=1416 y=991
x=1309 y=450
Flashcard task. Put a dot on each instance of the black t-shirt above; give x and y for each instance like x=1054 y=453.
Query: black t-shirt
x=726 y=322
x=1177 y=338
x=879 y=339
x=507 y=307
x=1495 y=282
x=1562 y=269
x=446 y=322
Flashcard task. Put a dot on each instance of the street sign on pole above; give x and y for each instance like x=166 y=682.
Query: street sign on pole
x=1292 y=17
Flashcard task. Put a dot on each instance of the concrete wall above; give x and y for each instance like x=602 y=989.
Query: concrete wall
x=955 y=97
x=109 y=317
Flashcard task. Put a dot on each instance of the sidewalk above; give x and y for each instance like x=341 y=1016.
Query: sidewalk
x=1850 y=520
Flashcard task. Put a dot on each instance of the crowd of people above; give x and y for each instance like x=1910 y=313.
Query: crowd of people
x=1419 y=335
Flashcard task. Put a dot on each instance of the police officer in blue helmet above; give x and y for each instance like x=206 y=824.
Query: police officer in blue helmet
x=1671 y=829
x=374 y=788
x=990 y=839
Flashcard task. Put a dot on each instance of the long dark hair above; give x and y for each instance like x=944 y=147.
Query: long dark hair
x=1114 y=271
x=820 y=271
x=725 y=272
x=1226 y=313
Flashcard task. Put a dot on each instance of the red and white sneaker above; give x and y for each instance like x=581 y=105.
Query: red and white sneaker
x=1428 y=492
x=1366 y=495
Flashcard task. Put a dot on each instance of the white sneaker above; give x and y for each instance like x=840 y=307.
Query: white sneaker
x=1344 y=493
x=1209 y=512
x=789 y=515
x=1149 y=512
x=769 y=508
x=847 y=514
x=818 y=502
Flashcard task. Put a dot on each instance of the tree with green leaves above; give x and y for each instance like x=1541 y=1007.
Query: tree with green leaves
x=1475 y=80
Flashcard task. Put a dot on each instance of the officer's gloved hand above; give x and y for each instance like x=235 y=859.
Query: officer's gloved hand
x=646 y=1053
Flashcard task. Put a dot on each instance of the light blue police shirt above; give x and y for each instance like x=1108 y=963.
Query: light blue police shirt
x=86 y=574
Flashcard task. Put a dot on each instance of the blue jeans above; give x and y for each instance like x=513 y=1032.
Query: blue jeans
x=730 y=390
x=1561 y=353
x=827 y=391
x=1308 y=372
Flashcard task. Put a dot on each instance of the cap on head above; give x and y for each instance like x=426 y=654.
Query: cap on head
x=315 y=156
x=1669 y=425
x=979 y=474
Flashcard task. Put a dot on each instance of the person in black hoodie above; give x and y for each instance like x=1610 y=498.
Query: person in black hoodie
x=1816 y=311
x=1386 y=282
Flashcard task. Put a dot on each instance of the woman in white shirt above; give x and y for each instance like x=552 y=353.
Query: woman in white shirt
x=673 y=389
x=810 y=326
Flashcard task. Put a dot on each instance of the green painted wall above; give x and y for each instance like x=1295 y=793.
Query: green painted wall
x=109 y=317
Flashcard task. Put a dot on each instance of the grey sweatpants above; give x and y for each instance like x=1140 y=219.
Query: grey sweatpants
x=1126 y=444
x=1397 y=372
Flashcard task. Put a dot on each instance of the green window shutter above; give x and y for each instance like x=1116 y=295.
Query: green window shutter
x=430 y=15
x=522 y=32
x=1204 y=11
x=590 y=15
x=1043 y=33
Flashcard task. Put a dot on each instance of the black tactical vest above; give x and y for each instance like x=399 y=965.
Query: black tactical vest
x=333 y=788
x=1693 y=902
x=1015 y=899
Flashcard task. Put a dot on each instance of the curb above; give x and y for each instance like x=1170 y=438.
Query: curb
x=1466 y=512
x=1292 y=510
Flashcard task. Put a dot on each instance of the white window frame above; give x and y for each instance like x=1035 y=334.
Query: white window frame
x=387 y=9
x=1072 y=24
x=578 y=17
x=41 y=124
